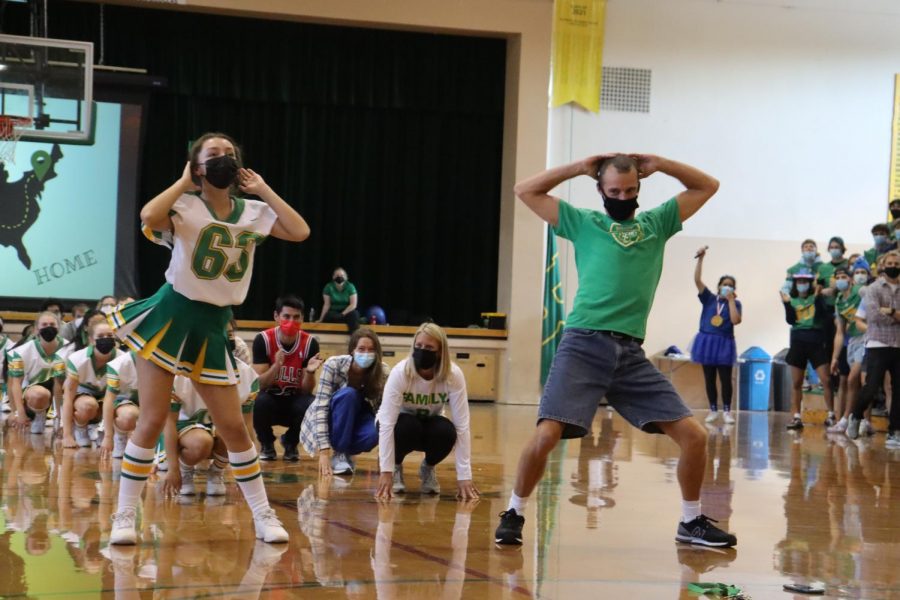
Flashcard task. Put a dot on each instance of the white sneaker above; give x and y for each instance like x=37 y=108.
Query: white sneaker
x=120 y=440
x=726 y=416
x=94 y=432
x=893 y=440
x=51 y=412
x=123 y=530
x=38 y=422
x=430 y=484
x=865 y=428
x=215 y=482
x=162 y=464
x=82 y=437
x=268 y=528
x=187 y=481
x=398 y=486
x=712 y=416
x=839 y=427
x=5 y=406
x=341 y=464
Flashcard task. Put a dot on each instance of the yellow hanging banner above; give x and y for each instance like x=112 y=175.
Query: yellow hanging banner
x=894 y=186
x=577 y=65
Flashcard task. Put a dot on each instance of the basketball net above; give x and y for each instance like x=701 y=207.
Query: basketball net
x=11 y=129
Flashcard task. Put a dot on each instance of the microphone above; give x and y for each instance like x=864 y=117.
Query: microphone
x=698 y=253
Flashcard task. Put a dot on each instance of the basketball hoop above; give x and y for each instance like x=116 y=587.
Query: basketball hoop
x=11 y=129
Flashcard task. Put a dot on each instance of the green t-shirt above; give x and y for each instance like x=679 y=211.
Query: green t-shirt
x=826 y=276
x=806 y=312
x=619 y=265
x=340 y=299
x=845 y=308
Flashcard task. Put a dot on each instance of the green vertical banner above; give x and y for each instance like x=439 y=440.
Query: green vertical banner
x=554 y=309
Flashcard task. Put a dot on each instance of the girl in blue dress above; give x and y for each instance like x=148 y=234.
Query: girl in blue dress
x=714 y=347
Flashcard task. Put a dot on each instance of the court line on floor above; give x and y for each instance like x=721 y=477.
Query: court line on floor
x=425 y=555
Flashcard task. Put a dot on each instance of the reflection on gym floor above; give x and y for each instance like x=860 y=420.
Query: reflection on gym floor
x=807 y=507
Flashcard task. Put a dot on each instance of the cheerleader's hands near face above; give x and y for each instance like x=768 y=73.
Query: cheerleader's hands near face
x=252 y=182
x=187 y=179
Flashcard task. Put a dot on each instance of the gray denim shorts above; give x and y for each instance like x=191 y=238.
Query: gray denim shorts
x=590 y=365
x=856 y=350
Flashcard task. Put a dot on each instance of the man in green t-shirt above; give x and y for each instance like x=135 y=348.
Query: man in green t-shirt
x=619 y=256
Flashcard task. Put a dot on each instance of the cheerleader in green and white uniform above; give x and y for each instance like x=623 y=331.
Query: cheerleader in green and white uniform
x=85 y=385
x=5 y=344
x=120 y=406
x=181 y=329
x=36 y=372
x=190 y=435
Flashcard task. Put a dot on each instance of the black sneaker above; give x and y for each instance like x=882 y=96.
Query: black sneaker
x=509 y=532
x=267 y=451
x=702 y=531
x=795 y=425
x=290 y=454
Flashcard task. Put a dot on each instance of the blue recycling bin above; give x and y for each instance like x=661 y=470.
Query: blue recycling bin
x=755 y=379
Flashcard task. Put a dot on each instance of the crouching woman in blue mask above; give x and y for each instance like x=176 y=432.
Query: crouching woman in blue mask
x=714 y=347
x=340 y=423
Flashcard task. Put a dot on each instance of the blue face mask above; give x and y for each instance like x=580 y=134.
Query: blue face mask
x=364 y=360
x=809 y=257
x=802 y=287
x=725 y=290
x=861 y=279
x=842 y=284
x=836 y=253
x=879 y=239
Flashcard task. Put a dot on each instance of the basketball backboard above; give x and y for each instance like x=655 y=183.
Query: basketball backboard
x=50 y=82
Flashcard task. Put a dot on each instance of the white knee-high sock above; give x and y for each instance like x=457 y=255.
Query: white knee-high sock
x=245 y=466
x=136 y=466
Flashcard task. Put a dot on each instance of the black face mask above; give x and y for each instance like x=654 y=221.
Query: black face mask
x=105 y=345
x=895 y=212
x=221 y=171
x=424 y=359
x=49 y=333
x=231 y=345
x=339 y=280
x=619 y=210
x=892 y=272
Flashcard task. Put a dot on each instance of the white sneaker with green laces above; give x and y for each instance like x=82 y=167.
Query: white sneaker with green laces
x=123 y=530
x=269 y=528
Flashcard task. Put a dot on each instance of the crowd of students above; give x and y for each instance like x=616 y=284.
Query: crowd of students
x=845 y=329
x=88 y=385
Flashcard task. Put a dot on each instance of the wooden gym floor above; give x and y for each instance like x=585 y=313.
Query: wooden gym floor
x=804 y=507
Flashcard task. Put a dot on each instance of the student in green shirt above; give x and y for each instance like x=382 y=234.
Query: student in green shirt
x=619 y=256
x=849 y=339
x=339 y=301
x=806 y=312
x=884 y=242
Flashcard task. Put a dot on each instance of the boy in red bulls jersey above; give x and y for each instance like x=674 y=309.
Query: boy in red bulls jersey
x=286 y=360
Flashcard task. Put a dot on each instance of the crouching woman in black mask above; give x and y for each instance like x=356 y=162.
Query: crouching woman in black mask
x=410 y=419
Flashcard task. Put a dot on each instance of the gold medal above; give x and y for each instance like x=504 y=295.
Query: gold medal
x=717 y=321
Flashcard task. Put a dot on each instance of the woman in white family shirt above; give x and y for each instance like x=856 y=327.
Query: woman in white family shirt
x=410 y=419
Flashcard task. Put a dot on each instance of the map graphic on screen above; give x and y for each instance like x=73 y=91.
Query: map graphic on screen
x=58 y=206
